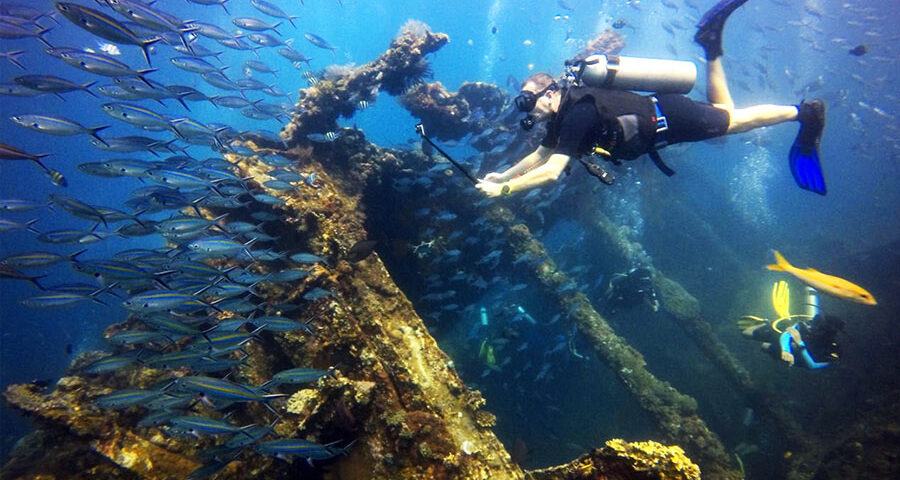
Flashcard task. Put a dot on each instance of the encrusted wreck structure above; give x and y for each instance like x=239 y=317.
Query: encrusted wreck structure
x=394 y=393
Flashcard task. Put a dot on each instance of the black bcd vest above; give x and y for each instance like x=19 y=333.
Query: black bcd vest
x=611 y=104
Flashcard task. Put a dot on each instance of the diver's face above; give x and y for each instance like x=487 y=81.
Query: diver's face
x=538 y=103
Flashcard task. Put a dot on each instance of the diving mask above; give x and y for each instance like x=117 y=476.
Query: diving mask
x=526 y=100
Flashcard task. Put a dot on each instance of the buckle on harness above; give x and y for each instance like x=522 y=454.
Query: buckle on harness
x=660 y=140
x=662 y=126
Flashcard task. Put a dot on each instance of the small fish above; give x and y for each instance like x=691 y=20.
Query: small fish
x=138 y=115
x=254 y=24
x=220 y=3
x=261 y=67
x=208 y=30
x=11 y=273
x=13 y=57
x=279 y=324
x=326 y=137
x=63 y=299
x=360 y=250
x=859 y=50
x=290 y=447
x=56 y=125
x=565 y=6
x=311 y=79
x=317 y=293
x=9 y=152
x=194 y=64
x=823 y=282
x=273 y=10
x=18 y=205
x=222 y=389
x=293 y=55
x=125 y=398
x=296 y=376
x=51 y=84
x=265 y=40
x=104 y=26
x=307 y=258
x=163 y=300
x=13 y=31
x=111 y=363
x=16 y=90
x=37 y=259
x=207 y=426
x=319 y=42
x=267 y=199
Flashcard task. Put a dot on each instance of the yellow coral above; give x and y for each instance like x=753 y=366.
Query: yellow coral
x=669 y=463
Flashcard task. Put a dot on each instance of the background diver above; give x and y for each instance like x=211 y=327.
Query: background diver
x=812 y=338
x=624 y=125
x=631 y=288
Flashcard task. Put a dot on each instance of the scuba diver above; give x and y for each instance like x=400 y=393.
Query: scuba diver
x=629 y=289
x=812 y=336
x=609 y=120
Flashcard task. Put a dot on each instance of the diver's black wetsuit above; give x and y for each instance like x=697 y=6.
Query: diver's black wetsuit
x=625 y=123
x=630 y=289
x=819 y=338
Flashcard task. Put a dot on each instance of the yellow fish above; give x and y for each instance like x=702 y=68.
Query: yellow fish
x=823 y=282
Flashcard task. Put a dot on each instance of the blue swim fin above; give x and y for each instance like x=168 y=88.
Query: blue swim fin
x=806 y=168
x=804 y=154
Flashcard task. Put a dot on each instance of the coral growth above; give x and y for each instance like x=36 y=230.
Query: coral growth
x=669 y=462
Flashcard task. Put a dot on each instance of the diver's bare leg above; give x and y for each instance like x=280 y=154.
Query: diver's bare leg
x=745 y=119
x=716 y=86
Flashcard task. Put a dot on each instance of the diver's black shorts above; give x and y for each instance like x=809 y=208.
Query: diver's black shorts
x=691 y=121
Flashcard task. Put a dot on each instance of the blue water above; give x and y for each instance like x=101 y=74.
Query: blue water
x=776 y=52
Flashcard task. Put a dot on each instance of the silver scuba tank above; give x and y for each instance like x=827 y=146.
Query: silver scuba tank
x=812 y=303
x=641 y=74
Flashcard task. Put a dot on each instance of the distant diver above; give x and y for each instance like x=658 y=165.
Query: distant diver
x=592 y=111
x=629 y=289
x=808 y=340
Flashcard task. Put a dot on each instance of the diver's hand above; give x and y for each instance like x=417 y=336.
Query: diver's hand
x=494 y=177
x=490 y=189
x=788 y=357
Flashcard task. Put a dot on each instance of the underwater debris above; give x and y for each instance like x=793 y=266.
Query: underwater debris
x=443 y=114
x=675 y=413
x=402 y=65
x=625 y=460
x=608 y=41
x=685 y=309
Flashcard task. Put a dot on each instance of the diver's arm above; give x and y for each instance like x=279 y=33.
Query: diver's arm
x=810 y=363
x=540 y=155
x=785 y=342
x=547 y=172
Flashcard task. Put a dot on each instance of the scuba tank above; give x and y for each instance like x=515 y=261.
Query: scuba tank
x=632 y=73
x=812 y=303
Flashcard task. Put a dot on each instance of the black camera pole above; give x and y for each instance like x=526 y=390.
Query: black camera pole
x=420 y=129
